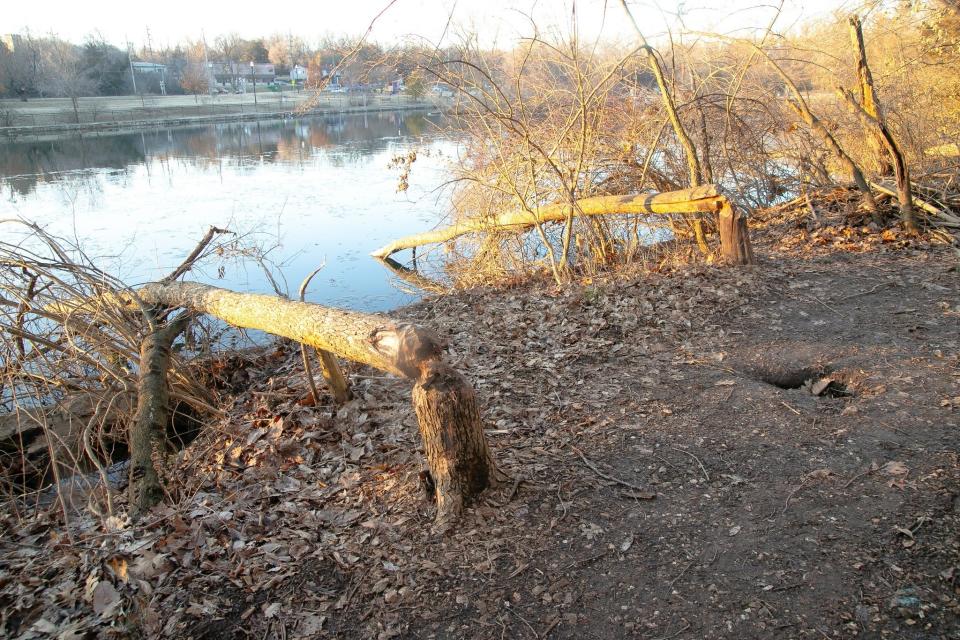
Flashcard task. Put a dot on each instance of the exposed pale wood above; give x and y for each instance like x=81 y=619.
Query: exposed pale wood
x=698 y=199
x=457 y=453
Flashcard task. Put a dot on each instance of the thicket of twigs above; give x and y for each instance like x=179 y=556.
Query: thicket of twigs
x=767 y=118
x=70 y=337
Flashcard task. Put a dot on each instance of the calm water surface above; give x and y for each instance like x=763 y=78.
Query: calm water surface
x=307 y=192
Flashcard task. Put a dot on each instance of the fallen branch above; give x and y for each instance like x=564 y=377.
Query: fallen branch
x=603 y=475
x=947 y=218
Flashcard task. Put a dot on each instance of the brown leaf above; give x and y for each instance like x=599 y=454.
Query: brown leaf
x=895 y=468
x=105 y=598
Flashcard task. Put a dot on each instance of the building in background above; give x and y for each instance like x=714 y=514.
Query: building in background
x=298 y=73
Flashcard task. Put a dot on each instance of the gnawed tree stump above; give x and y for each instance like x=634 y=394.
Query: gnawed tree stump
x=735 y=245
x=461 y=466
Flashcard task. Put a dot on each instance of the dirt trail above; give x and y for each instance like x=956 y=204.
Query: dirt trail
x=778 y=513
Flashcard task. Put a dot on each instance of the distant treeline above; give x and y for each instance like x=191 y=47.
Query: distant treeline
x=49 y=66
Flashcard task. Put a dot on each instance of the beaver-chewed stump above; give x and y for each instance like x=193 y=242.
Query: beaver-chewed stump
x=461 y=466
x=460 y=463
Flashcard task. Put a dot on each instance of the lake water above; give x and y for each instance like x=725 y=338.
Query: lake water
x=307 y=192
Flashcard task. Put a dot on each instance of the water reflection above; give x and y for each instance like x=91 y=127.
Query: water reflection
x=26 y=163
x=312 y=190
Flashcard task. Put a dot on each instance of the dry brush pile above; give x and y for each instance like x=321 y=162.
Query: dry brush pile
x=766 y=118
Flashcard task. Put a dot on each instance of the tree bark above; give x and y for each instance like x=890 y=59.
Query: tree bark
x=329 y=367
x=799 y=105
x=689 y=149
x=900 y=168
x=412 y=276
x=461 y=466
x=460 y=462
x=333 y=376
x=735 y=245
x=821 y=130
x=148 y=433
x=704 y=199
x=868 y=94
x=361 y=337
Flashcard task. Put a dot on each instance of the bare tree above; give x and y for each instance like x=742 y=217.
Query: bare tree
x=64 y=73
x=19 y=68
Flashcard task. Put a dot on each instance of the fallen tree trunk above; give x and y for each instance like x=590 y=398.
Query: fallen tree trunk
x=460 y=463
x=705 y=199
x=413 y=276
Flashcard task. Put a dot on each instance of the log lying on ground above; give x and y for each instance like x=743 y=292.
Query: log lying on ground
x=705 y=199
x=457 y=453
x=943 y=218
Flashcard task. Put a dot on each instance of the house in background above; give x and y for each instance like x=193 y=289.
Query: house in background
x=237 y=74
x=298 y=73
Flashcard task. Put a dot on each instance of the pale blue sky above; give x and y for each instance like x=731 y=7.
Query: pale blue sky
x=500 y=20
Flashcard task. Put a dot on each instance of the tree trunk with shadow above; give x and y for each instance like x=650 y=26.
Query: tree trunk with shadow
x=148 y=433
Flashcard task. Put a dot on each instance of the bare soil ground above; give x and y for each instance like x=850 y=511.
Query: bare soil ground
x=664 y=485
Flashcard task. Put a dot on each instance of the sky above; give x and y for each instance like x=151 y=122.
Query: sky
x=500 y=22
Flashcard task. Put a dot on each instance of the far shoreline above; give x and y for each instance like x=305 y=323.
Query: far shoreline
x=394 y=103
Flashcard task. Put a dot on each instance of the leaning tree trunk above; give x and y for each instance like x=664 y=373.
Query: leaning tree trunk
x=868 y=94
x=817 y=126
x=900 y=168
x=461 y=466
x=686 y=142
x=881 y=139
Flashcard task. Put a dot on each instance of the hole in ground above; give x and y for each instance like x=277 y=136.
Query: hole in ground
x=819 y=380
x=788 y=377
